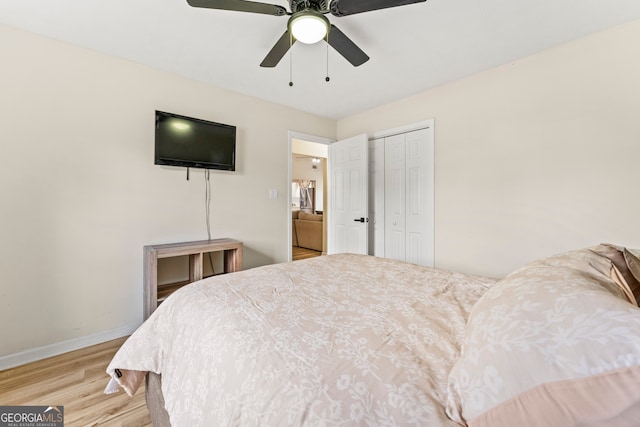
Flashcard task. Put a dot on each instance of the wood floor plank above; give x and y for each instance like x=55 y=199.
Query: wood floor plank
x=76 y=380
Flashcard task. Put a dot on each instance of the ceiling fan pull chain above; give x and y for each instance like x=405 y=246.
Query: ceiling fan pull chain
x=290 y=59
x=326 y=79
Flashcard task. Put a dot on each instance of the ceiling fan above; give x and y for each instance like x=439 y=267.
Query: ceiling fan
x=308 y=23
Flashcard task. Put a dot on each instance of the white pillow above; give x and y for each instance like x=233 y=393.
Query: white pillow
x=556 y=343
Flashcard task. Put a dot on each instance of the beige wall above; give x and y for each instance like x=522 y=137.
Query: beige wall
x=81 y=195
x=534 y=157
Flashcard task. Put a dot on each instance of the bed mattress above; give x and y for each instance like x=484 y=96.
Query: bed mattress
x=335 y=340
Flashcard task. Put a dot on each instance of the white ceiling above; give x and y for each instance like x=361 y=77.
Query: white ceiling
x=412 y=48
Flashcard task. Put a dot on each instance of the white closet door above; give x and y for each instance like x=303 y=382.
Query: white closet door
x=419 y=197
x=394 y=175
x=409 y=195
x=376 y=197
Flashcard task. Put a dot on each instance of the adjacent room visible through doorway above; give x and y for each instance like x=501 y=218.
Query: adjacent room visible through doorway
x=307 y=195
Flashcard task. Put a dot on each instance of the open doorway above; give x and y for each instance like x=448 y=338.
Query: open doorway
x=307 y=195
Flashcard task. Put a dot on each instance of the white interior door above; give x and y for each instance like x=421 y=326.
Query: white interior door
x=348 y=196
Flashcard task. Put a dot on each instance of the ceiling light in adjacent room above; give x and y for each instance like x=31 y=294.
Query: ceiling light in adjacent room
x=309 y=26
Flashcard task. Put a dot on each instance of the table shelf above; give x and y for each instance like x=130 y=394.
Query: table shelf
x=154 y=294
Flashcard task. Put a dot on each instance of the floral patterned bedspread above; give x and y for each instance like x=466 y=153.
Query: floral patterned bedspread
x=336 y=340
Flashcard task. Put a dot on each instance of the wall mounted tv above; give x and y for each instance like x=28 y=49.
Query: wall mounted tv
x=194 y=143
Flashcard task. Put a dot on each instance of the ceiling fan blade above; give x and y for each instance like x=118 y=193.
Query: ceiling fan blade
x=350 y=7
x=278 y=50
x=240 y=6
x=345 y=47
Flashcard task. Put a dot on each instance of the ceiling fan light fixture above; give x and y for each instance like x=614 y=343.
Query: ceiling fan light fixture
x=308 y=26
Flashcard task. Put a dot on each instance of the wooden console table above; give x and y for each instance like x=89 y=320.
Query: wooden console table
x=154 y=293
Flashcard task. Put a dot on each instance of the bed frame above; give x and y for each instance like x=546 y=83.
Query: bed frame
x=155 y=401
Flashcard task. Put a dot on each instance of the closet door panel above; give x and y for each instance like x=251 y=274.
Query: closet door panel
x=417 y=170
x=408 y=195
x=395 y=175
x=376 y=197
x=415 y=241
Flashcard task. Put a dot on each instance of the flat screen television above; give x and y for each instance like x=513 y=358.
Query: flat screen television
x=194 y=143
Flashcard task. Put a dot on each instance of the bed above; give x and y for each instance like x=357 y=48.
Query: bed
x=346 y=339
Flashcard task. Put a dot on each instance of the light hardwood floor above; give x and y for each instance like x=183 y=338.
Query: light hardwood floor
x=302 y=253
x=75 y=380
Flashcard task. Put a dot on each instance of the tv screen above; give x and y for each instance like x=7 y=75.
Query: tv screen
x=194 y=143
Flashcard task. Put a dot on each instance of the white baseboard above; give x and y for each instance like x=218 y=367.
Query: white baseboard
x=35 y=354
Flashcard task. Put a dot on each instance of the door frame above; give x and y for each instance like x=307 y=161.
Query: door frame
x=428 y=123
x=309 y=138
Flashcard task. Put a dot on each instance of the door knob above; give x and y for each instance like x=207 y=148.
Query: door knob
x=361 y=219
